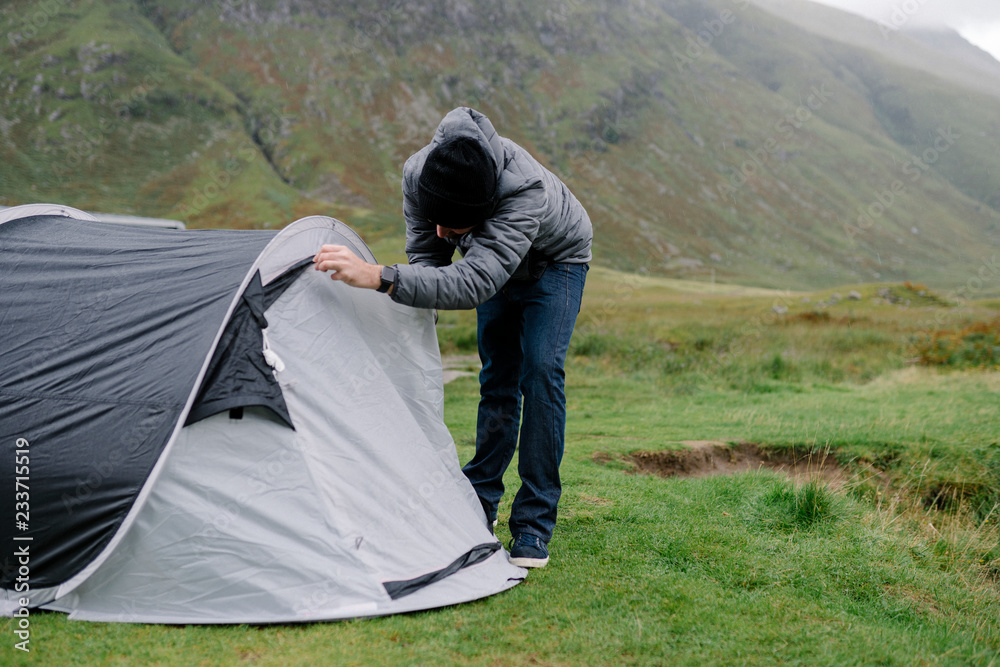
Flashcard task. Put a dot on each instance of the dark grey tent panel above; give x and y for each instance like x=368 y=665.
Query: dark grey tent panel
x=104 y=331
x=238 y=375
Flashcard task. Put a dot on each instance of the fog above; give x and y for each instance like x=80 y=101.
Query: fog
x=977 y=20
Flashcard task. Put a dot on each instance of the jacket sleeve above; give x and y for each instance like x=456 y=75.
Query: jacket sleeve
x=494 y=251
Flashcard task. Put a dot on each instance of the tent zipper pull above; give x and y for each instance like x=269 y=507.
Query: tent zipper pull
x=270 y=356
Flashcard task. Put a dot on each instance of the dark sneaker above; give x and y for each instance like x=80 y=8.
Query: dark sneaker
x=527 y=550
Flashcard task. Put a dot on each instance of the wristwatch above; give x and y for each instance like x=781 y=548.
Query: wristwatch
x=388 y=278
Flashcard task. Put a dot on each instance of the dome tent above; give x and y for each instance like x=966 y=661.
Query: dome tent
x=174 y=478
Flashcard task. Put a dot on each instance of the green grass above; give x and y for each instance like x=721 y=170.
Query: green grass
x=899 y=566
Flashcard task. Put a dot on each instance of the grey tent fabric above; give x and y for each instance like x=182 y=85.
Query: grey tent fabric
x=105 y=328
x=139 y=516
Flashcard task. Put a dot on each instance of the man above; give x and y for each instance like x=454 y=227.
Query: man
x=525 y=242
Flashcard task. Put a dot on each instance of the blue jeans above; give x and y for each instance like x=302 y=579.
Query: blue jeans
x=524 y=333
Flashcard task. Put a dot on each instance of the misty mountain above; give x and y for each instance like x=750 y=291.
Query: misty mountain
x=775 y=143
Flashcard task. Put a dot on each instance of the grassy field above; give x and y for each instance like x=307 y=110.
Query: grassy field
x=898 y=563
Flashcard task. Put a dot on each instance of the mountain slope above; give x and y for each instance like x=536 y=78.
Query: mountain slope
x=100 y=113
x=963 y=53
x=705 y=138
x=942 y=53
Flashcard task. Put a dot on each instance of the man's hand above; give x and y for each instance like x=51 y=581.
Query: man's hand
x=348 y=267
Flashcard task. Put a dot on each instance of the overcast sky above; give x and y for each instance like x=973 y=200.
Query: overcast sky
x=977 y=20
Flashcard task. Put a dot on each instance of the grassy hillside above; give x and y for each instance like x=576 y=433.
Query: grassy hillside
x=706 y=138
x=918 y=83
x=100 y=113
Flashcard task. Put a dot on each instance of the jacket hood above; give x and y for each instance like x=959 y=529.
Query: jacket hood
x=466 y=122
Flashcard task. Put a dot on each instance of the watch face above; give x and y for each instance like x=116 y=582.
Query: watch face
x=388 y=278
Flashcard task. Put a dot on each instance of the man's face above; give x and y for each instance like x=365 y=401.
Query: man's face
x=446 y=233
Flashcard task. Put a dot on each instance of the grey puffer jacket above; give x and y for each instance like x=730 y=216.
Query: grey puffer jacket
x=534 y=209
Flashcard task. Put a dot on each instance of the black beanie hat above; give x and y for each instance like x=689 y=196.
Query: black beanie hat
x=457 y=184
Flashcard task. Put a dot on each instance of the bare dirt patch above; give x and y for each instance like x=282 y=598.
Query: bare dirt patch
x=703 y=458
x=456 y=366
x=594 y=500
